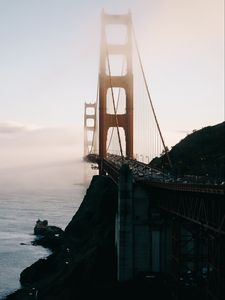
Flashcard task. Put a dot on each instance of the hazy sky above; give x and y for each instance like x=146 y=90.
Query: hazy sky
x=49 y=54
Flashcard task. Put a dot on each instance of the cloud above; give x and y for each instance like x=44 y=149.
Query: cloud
x=11 y=127
x=183 y=131
x=28 y=144
x=35 y=135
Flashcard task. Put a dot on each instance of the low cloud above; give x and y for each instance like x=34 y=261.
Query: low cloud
x=28 y=144
x=11 y=127
x=183 y=131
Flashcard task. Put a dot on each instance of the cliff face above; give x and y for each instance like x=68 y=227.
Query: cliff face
x=200 y=153
x=86 y=258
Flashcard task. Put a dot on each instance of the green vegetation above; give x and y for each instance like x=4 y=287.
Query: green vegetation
x=201 y=153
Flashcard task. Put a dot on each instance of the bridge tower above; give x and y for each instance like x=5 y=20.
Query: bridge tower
x=106 y=82
x=89 y=128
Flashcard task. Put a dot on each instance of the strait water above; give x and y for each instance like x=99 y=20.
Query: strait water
x=53 y=192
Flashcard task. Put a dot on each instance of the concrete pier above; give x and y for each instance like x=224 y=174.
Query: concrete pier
x=143 y=241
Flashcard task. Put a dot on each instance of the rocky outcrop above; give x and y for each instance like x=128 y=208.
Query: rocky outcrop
x=48 y=236
x=42 y=228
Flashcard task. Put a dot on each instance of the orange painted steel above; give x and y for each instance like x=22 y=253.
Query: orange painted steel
x=106 y=82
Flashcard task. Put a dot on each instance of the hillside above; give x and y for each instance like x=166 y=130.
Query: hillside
x=201 y=153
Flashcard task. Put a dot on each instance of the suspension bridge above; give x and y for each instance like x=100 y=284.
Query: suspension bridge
x=162 y=225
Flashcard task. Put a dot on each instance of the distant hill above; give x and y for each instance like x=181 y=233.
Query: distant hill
x=201 y=153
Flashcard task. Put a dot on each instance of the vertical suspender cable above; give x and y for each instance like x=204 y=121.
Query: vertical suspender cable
x=149 y=97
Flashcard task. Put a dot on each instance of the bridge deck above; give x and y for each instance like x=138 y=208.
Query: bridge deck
x=144 y=174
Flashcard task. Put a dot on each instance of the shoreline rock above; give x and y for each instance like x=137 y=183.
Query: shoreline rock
x=42 y=228
x=48 y=236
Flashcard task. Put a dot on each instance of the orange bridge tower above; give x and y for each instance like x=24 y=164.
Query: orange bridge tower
x=107 y=83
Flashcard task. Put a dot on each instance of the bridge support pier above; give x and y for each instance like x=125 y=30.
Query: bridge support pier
x=124 y=226
x=143 y=241
x=165 y=244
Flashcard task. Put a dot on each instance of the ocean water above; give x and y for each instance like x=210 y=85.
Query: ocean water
x=53 y=192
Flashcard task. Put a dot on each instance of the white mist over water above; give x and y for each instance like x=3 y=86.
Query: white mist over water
x=51 y=191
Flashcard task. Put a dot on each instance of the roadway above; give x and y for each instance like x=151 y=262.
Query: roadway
x=151 y=176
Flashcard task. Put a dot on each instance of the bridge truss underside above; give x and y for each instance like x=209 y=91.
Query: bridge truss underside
x=197 y=224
